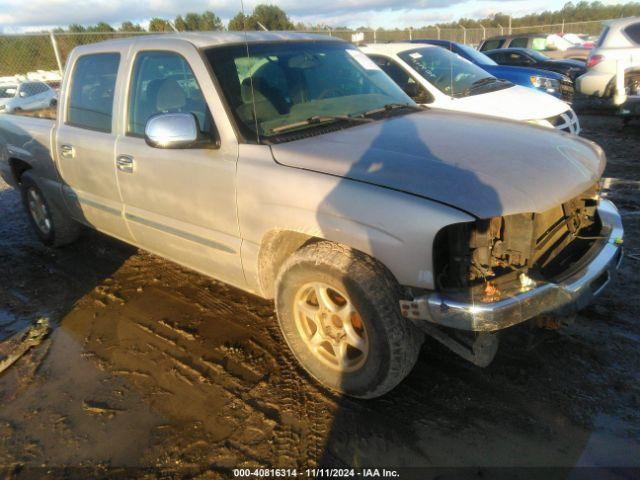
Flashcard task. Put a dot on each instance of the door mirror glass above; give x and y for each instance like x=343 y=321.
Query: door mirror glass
x=172 y=130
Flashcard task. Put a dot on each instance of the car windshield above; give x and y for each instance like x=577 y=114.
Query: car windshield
x=8 y=91
x=476 y=56
x=449 y=72
x=276 y=87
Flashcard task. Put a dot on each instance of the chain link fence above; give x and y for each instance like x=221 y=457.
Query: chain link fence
x=43 y=55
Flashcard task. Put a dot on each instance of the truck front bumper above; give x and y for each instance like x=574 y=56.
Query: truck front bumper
x=570 y=294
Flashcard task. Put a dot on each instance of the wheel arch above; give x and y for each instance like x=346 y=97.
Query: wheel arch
x=18 y=167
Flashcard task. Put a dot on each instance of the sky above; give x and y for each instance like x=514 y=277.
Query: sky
x=25 y=15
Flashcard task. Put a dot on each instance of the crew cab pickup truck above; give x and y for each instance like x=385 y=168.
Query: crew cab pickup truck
x=292 y=167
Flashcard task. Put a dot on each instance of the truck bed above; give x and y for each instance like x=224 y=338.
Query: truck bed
x=26 y=137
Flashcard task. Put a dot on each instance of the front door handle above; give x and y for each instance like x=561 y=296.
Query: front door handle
x=125 y=163
x=67 y=151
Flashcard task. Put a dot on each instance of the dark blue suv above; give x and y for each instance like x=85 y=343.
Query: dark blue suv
x=553 y=83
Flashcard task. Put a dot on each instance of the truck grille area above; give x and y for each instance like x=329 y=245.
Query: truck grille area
x=567 y=90
x=499 y=250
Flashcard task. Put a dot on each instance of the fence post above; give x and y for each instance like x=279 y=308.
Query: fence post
x=464 y=35
x=501 y=29
x=438 y=30
x=56 y=51
x=329 y=32
x=509 y=24
x=410 y=33
x=562 y=26
x=484 y=32
x=375 y=37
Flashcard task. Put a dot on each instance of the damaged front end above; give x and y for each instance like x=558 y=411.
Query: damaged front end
x=487 y=257
x=494 y=273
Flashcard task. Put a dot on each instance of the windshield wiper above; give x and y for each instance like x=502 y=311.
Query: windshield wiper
x=391 y=106
x=319 y=120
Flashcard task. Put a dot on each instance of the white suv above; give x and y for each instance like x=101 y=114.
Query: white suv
x=617 y=47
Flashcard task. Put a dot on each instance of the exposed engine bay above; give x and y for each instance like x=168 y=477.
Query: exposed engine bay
x=490 y=254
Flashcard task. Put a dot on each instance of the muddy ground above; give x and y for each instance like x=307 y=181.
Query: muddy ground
x=148 y=364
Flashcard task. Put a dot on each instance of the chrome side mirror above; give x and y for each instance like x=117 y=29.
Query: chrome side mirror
x=172 y=130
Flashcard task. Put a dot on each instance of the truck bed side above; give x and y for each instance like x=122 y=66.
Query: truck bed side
x=26 y=145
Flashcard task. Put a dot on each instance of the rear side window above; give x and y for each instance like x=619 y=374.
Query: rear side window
x=633 y=32
x=521 y=42
x=492 y=44
x=163 y=82
x=92 y=87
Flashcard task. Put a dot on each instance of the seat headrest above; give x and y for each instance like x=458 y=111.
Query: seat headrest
x=170 y=96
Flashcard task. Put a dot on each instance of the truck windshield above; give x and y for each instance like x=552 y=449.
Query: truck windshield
x=278 y=87
x=450 y=73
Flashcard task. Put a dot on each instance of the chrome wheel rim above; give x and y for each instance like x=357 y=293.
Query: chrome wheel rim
x=38 y=210
x=331 y=327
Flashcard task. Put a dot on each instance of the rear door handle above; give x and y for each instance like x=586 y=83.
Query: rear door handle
x=67 y=151
x=125 y=163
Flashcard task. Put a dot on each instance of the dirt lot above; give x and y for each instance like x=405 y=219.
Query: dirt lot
x=151 y=365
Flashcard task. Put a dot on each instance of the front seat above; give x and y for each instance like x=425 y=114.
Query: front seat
x=170 y=97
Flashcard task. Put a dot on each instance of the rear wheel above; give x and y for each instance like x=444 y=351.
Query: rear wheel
x=338 y=311
x=52 y=225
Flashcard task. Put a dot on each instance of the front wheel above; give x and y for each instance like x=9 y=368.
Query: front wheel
x=338 y=310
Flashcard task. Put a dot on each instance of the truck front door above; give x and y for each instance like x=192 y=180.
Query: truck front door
x=85 y=143
x=179 y=203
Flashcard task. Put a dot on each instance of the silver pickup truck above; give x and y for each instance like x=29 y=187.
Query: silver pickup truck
x=292 y=167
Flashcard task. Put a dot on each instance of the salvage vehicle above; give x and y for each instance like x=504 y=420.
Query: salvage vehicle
x=553 y=46
x=525 y=57
x=439 y=78
x=25 y=96
x=290 y=166
x=617 y=49
x=555 y=84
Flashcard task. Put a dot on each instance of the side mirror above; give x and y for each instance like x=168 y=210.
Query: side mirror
x=173 y=130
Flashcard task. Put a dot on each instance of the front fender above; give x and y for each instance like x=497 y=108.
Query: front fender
x=396 y=228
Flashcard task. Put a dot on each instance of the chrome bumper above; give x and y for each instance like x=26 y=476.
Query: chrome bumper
x=570 y=294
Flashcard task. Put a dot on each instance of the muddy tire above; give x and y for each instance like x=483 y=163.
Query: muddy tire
x=53 y=226
x=338 y=311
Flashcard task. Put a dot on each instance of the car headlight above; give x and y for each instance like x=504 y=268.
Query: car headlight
x=548 y=84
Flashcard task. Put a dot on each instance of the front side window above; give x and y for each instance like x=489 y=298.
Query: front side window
x=521 y=42
x=277 y=85
x=163 y=82
x=450 y=73
x=8 y=91
x=92 y=88
x=492 y=44
x=402 y=79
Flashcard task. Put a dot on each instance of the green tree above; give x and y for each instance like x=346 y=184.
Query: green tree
x=239 y=22
x=130 y=27
x=272 y=17
x=159 y=25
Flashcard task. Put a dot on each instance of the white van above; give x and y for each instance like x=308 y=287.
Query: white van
x=441 y=79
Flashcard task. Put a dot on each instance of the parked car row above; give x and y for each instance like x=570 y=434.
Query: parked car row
x=442 y=79
x=291 y=166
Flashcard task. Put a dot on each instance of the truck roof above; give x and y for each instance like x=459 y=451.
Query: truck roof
x=212 y=39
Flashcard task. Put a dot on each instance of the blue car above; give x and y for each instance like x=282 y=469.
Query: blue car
x=556 y=84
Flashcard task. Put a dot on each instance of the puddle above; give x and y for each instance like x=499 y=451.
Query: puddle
x=10 y=324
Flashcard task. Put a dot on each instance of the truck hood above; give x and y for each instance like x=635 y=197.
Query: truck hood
x=480 y=165
x=516 y=103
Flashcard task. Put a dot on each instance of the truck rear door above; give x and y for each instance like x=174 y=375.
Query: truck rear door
x=85 y=140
